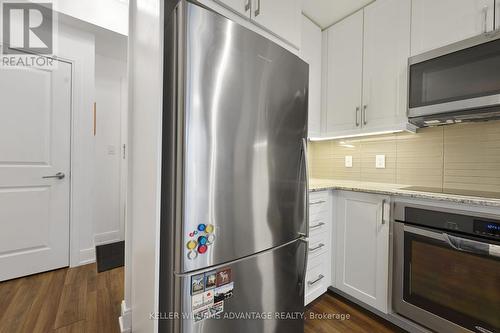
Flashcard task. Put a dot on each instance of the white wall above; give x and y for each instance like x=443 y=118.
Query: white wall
x=78 y=47
x=108 y=14
x=143 y=222
x=96 y=210
x=111 y=94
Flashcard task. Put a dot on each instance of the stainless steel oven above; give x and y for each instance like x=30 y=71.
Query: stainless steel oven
x=447 y=268
x=455 y=83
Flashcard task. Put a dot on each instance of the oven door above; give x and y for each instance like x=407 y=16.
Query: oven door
x=445 y=282
x=458 y=77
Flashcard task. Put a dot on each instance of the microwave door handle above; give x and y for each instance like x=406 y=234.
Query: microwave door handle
x=471 y=246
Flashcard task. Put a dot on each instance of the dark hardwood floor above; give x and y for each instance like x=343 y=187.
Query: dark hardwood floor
x=75 y=300
x=359 y=320
x=79 y=300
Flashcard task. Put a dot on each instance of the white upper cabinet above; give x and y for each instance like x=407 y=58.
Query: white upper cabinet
x=240 y=6
x=437 y=23
x=310 y=52
x=282 y=17
x=362 y=247
x=385 y=64
x=367 y=57
x=344 y=75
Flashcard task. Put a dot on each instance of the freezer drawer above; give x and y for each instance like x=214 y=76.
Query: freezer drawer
x=268 y=284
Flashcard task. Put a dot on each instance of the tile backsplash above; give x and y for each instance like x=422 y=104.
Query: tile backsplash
x=464 y=156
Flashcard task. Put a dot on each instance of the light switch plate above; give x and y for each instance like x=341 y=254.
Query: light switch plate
x=348 y=161
x=380 y=161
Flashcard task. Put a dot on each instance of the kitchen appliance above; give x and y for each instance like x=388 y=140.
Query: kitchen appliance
x=447 y=268
x=456 y=83
x=234 y=212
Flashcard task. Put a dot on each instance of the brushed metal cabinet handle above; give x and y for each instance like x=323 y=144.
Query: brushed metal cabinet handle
x=247 y=5
x=364 y=115
x=319 y=225
x=357 y=114
x=317 y=202
x=313 y=249
x=485 y=19
x=320 y=277
x=383 y=211
x=59 y=175
x=257 y=10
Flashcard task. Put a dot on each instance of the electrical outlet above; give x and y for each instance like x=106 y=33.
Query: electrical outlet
x=380 y=161
x=348 y=161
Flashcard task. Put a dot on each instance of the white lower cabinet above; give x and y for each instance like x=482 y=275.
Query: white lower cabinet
x=318 y=277
x=361 y=252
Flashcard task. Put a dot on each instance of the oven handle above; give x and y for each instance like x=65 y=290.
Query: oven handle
x=458 y=243
x=468 y=245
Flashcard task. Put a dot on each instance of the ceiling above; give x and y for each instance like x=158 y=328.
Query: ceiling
x=327 y=12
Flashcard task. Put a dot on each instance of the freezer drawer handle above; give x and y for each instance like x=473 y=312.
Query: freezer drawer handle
x=317 y=202
x=316 y=248
x=319 y=225
x=320 y=277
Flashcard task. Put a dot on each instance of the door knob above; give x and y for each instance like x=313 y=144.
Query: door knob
x=59 y=175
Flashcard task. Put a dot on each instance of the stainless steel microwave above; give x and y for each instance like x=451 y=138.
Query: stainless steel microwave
x=456 y=83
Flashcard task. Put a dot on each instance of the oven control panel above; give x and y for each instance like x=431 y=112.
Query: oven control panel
x=487 y=228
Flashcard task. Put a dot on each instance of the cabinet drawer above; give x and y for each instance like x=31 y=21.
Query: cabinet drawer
x=316 y=278
x=318 y=206
x=317 y=244
x=318 y=226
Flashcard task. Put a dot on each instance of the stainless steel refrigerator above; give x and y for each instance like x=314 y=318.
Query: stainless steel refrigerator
x=234 y=213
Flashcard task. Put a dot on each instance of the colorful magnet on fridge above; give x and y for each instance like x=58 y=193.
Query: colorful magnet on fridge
x=191 y=245
x=202 y=249
x=192 y=254
x=202 y=240
x=201 y=227
x=210 y=239
x=209 y=229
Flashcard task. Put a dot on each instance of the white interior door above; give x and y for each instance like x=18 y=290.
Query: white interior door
x=35 y=113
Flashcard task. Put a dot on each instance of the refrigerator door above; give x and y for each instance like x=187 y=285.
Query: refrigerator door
x=245 y=116
x=265 y=294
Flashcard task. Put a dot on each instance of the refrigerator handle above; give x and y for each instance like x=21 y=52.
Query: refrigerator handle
x=302 y=282
x=306 y=187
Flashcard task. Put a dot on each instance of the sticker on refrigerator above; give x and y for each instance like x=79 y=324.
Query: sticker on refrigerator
x=223 y=292
x=200 y=315
x=207 y=311
x=224 y=276
x=203 y=300
x=216 y=309
x=210 y=280
x=197 y=284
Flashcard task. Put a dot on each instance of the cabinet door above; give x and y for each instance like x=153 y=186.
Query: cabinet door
x=385 y=63
x=310 y=52
x=362 y=249
x=240 y=6
x=344 y=77
x=282 y=17
x=439 y=23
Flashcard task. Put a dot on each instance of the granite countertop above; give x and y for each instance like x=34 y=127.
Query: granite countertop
x=316 y=184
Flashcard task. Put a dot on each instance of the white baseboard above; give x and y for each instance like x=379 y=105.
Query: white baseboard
x=125 y=319
x=107 y=237
x=87 y=256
